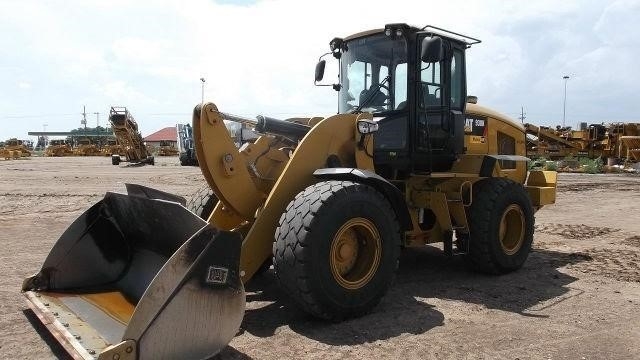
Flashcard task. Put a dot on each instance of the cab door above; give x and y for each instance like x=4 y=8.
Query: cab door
x=440 y=93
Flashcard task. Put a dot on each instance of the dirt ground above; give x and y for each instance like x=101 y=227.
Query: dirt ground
x=577 y=297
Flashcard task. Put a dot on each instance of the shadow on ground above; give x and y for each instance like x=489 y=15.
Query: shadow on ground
x=60 y=353
x=424 y=273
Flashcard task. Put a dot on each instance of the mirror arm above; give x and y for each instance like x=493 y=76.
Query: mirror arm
x=323 y=55
x=335 y=87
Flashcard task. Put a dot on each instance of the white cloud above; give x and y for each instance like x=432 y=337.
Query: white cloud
x=24 y=85
x=259 y=58
x=618 y=24
x=123 y=93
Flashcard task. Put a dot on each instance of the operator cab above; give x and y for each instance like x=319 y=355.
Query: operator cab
x=413 y=82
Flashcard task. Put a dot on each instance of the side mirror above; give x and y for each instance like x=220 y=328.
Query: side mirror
x=432 y=49
x=320 y=70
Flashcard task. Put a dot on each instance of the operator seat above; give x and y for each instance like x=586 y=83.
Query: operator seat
x=378 y=97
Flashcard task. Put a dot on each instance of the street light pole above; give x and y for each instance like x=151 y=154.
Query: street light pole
x=564 y=103
x=202 y=79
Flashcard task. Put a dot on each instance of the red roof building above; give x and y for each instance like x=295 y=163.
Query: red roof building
x=166 y=134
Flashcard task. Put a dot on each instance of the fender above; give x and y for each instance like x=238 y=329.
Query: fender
x=390 y=192
x=489 y=163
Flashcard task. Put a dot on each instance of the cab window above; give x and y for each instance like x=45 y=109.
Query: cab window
x=430 y=85
x=456 y=100
x=506 y=146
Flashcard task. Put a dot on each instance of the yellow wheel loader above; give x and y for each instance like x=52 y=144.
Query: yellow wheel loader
x=407 y=161
x=58 y=148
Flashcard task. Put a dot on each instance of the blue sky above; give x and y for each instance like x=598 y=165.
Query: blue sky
x=259 y=57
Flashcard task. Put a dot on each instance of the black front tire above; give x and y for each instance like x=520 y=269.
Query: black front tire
x=202 y=202
x=302 y=251
x=115 y=160
x=492 y=248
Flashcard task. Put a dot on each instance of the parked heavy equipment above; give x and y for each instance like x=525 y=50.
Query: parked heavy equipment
x=84 y=147
x=14 y=149
x=631 y=146
x=125 y=128
x=112 y=148
x=58 y=147
x=187 y=154
x=590 y=140
x=167 y=148
x=331 y=201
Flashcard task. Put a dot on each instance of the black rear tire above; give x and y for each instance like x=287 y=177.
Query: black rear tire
x=501 y=226
x=307 y=265
x=115 y=160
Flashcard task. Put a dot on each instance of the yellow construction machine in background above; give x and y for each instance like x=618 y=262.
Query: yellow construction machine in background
x=14 y=149
x=330 y=201
x=84 y=147
x=58 y=148
x=112 y=148
x=167 y=148
x=614 y=141
x=125 y=129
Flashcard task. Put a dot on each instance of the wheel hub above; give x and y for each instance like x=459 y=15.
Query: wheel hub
x=355 y=253
x=512 y=229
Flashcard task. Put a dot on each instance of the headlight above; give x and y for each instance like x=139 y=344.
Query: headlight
x=367 y=126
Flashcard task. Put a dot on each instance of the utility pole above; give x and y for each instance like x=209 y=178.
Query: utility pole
x=83 y=121
x=523 y=115
x=564 y=103
x=84 y=118
x=97 y=119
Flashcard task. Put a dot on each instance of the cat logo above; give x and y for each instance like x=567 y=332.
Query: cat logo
x=475 y=126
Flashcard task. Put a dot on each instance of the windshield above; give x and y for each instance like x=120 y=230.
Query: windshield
x=373 y=73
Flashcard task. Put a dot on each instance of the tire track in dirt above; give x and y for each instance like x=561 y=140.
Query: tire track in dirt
x=621 y=265
x=573 y=231
x=632 y=241
x=613 y=262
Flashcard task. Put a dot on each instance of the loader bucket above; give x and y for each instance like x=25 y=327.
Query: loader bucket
x=138 y=276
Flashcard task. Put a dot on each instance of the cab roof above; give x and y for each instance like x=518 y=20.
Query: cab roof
x=430 y=29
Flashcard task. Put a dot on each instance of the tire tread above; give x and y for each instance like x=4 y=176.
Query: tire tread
x=290 y=248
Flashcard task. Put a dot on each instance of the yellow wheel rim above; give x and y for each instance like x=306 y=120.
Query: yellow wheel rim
x=512 y=229
x=355 y=253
